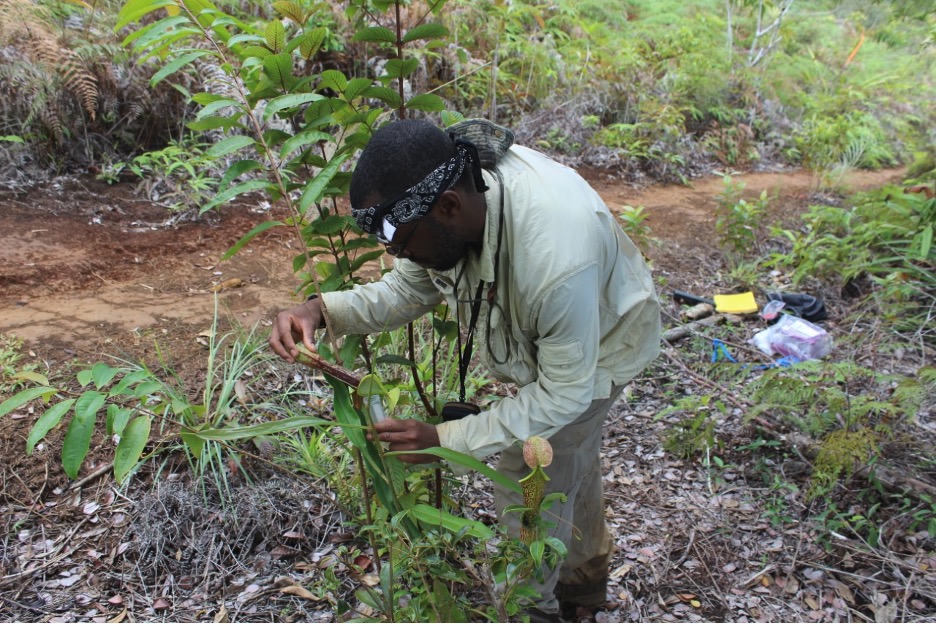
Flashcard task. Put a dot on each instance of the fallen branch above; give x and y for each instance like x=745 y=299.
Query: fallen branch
x=678 y=333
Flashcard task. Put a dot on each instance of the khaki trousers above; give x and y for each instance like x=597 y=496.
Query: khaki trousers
x=580 y=521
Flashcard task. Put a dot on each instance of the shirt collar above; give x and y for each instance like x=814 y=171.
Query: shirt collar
x=492 y=221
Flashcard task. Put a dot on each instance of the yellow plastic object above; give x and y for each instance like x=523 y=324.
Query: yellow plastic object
x=742 y=303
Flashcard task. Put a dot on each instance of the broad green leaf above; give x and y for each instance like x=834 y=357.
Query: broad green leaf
x=102 y=374
x=537 y=550
x=117 y=418
x=356 y=86
x=48 y=421
x=444 y=603
x=194 y=444
x=135 y=9
x=364 y=258
x=278 y=69
x=88 y=404
x=147 y=388
x=446 y=329
x=393 y=397
x=249 y=38
x=78 y=437
x=334 y=80
x=371 y=385
x=22 y=398
x=206 y=13
x=428 y=102
x=275 y=36
x=473 y=464
x=176 y=64
x=370 y=597
x=146 y=35
x=400 y=68
x=427 y=514
x=229 y=145
x=216 y=121
x=385 y=94
x=398 y=360
x=246 y=238
x=292 y=10
x=255 y=52
x=315 y=190
x=238 y=169
x=84 y=377
x=32 y=376
x=352 y=425
x=430 y=30
x=312 y=40
x=127 y=381
x=302 y=139
x=234 y=191
x=289 y=101
x=275 y=136
x=332 y=224
x=375 y=34
x=131 y=446
x=212 y=103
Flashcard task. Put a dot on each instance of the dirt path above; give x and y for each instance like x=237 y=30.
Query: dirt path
x=89 y=269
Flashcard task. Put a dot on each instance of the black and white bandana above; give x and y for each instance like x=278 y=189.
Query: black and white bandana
x=383 y=219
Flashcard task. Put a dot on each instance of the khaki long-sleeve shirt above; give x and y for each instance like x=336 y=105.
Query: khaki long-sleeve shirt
x=575 y=308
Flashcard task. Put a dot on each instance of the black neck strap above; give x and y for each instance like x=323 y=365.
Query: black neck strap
x=464 y=354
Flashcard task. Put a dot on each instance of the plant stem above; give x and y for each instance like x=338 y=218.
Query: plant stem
x=359 y=458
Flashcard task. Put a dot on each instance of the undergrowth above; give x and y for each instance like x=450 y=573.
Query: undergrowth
x=658 y=89
x=851 y=417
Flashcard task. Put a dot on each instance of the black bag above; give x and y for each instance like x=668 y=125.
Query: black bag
x=806 y=307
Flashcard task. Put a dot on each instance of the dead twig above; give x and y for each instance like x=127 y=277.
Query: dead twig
x=91 y=477
x=678 y=333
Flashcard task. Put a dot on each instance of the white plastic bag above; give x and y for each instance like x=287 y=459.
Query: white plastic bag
x=795 y=337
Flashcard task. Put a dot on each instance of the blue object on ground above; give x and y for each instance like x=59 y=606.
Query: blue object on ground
x=720 y=352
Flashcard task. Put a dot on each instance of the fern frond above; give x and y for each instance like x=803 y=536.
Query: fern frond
x=28 y=27
x=81 y=82
x=53 y=121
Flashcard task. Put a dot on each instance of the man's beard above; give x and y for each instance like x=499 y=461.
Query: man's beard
x=448 y=249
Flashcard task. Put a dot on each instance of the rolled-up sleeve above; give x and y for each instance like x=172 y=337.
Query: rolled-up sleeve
x=402 y=295
x=567 y=356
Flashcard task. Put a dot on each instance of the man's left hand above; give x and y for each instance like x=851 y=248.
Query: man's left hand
x=409 y=435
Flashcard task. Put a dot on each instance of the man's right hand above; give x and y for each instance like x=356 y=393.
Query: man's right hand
x=296 y=324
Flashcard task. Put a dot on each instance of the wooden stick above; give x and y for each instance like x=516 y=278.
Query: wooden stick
x=678 y=333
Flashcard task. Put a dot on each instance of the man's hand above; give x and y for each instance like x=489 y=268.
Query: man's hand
x=296 y=324
x=409 y=435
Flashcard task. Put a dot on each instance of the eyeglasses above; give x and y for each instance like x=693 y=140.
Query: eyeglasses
x=395 y=249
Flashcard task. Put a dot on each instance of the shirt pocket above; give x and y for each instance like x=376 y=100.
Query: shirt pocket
x=562 y=362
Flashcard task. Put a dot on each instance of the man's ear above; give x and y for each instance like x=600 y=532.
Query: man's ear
x=449 y=205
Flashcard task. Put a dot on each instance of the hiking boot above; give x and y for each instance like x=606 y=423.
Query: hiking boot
x=591 y=595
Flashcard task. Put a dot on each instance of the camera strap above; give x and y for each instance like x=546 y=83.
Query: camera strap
x=464 y=354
